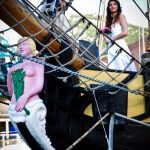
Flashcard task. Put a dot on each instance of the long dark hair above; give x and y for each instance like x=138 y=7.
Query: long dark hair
x=109 y=17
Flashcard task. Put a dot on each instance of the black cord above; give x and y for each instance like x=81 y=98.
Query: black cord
x=4 y=103
x=142 y=11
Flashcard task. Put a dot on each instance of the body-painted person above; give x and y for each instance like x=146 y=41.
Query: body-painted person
x=25 y=81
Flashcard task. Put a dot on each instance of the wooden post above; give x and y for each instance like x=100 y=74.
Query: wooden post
x=148 y=13
x=7 y=128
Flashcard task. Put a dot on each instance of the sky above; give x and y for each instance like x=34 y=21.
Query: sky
x=130 y=10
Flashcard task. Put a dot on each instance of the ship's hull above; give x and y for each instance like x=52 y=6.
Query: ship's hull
x=72 y=111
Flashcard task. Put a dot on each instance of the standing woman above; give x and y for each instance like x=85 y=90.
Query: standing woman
x=116 y=22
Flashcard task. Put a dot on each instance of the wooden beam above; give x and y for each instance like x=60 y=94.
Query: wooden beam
x=15 y=15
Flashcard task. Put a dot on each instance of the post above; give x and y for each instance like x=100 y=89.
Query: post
x=7 y=128
x=111 y=132
x=148 y=13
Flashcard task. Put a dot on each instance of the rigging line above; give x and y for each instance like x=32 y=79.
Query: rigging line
x=113 y=78
x=103 y=70
x=37 y=11
x=66 y=70
x=111 y=132
x=145 y=84
x=94 y=61
x=21 y=25
x=87 y=53
x=133 y=120
x=31 y=35
x=100 y=116
x=31 y=8
x=141 y=10
x=107 y=82
x=4 y=103
x=136 y=60
x=15 y=25
x=86 y=133
x=80 y=34
x=4 y=93
x=109 y=38
x=63 y=33
x=2 y=85
x=45 y=17
x=71 y=44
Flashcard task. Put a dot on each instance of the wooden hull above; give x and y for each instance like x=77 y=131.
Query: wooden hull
x=136 y=103
x=70 y=115
x=71 y=112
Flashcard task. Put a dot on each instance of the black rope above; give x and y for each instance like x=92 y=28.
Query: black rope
x=54 y=67
x=4 y=93
x=142 y=11
x=85 y=18
x=4 y=103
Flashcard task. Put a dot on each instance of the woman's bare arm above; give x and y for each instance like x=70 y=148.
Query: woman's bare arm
x=9 y=83
x=124 y=26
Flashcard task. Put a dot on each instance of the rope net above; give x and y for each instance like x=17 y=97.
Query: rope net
x=55 y=39
x=66 y=52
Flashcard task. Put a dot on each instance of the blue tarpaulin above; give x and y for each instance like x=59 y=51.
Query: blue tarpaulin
x=4 y=55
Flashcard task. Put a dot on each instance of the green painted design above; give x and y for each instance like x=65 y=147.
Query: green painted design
x=18 y=82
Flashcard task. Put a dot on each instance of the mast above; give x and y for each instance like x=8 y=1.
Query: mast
x=148 y=13
x=17 y=16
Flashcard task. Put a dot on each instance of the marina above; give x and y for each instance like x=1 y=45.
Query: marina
x=9 y=140
x=13 y=144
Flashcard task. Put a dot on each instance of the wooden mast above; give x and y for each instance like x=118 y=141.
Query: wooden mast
x=148 y=13
x=15 y=15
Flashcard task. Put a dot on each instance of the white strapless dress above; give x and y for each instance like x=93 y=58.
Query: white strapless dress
x=123 y=58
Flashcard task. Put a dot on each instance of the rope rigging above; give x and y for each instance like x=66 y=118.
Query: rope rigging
x=141 y=10
x=2 y=48
x=75 y=46
x=72 y=42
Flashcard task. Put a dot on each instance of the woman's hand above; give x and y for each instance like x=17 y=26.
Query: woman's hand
x=107 y=40
x=22 y=101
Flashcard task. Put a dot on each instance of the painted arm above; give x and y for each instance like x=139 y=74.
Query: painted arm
x=9 y=83
x=124 y=26
x=9 y=77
